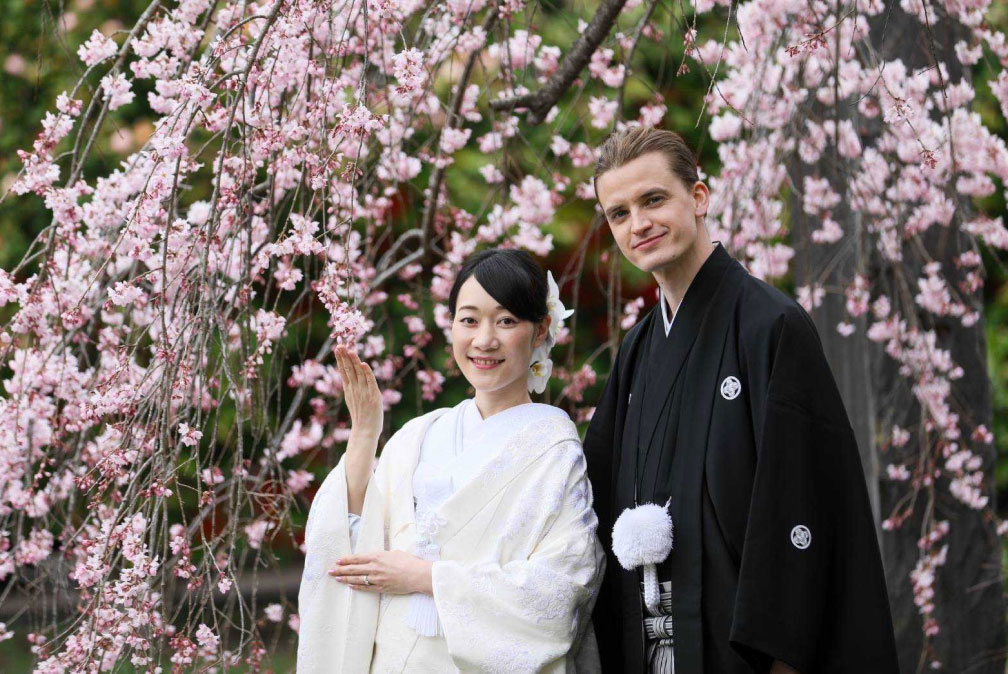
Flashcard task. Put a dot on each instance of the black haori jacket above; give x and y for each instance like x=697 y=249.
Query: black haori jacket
x=775 y=554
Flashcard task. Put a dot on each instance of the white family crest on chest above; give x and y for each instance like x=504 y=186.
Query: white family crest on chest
x=731 y=387
x=801 y=537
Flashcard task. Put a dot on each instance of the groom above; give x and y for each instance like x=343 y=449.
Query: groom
x=721 y=407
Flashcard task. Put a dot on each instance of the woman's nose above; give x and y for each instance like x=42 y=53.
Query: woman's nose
x=485 y=337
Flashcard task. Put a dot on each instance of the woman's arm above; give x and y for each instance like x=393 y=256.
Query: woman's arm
x=363 y=399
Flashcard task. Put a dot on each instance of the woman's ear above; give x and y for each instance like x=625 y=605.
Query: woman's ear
x=542 y=330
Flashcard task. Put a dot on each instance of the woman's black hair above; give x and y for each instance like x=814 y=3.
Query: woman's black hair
x=510 y=276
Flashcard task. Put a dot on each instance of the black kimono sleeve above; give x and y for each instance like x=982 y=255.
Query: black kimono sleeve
x=600 y=451
x=601 y=455
x=811 y=589
x=602 y=447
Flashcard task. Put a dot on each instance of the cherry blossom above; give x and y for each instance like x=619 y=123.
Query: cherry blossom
x=118 y=90
x=96 y=49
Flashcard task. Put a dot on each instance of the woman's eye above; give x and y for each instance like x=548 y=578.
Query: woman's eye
x=507 y=320
x=466 y=320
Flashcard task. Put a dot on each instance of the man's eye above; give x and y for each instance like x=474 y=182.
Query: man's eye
x=653 y=200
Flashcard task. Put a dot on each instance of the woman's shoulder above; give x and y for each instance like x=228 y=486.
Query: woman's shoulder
x=415 y=426
x=551 y=424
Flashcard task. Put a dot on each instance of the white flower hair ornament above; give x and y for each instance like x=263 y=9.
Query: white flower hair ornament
x=542 y=366
x=642 y=536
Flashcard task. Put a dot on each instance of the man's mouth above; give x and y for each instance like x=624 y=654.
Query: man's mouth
x=486 y=363
x=647 y=242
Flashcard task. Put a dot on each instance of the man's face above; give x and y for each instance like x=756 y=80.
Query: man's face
x=652 y=214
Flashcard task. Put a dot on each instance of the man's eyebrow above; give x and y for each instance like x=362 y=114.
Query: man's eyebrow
x=612 y=209
x=654 y=191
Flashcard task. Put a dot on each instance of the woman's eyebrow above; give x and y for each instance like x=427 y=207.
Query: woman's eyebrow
x=472 y=308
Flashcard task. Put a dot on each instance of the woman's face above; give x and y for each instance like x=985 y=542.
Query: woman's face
x=492 y=347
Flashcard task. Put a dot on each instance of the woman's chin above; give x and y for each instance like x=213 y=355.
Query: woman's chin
x=490 y=383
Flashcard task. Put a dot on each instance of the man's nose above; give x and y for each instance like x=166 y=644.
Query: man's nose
x=639 y=222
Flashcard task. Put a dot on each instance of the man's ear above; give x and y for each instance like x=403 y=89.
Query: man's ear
x=542 y=330
x=701 y=199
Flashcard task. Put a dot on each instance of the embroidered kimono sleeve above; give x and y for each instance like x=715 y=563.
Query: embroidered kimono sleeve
x=337 y=624
x=524 y=615
x=811 y=589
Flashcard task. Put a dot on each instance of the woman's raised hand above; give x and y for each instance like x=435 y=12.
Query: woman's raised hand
x=363 y=398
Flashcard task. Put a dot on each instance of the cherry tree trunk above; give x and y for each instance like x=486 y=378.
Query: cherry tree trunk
x=968 y=590
x=833 y=267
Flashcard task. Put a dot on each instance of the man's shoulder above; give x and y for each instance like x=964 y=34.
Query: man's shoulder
x=764 y=312
x=634 y=333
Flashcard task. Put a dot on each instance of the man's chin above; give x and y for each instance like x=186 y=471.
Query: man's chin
x=655 y=263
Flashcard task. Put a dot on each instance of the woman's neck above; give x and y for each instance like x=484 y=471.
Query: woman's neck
x=490 y=403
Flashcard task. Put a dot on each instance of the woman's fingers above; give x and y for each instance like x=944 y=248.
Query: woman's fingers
x=360 y=390
x=358 y=368
x=343 y=362
x=354 y=571
x=349 y=367
x=369 y=377
x=366 y=380
x=350 y=571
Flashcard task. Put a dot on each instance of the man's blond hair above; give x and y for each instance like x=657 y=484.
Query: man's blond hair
x=622 y=147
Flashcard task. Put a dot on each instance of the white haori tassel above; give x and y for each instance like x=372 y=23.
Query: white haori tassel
x=642 y=536
x=422 y=613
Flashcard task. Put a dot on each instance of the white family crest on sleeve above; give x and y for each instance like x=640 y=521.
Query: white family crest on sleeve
x=731 y=387
x=801 y=537
x=642 y=536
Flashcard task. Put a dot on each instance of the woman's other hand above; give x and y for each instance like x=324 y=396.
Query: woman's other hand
x=387 y=572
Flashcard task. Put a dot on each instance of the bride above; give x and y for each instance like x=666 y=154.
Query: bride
x=472 y=545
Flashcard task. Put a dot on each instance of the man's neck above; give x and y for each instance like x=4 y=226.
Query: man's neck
x=675 y=278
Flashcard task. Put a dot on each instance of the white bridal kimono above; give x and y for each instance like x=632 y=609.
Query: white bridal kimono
x=507 y=515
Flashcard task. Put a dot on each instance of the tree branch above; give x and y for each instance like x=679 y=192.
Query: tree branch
x=539 y=103
x=388 y=269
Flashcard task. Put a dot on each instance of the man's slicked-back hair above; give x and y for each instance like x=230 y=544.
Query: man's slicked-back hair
x=622 y=147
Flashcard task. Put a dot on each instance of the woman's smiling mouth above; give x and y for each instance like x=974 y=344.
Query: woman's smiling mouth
x=486 y=363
